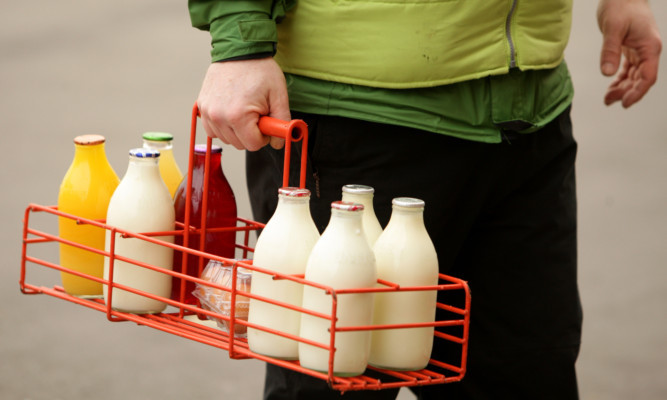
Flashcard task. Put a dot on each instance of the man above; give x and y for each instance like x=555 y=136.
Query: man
x=462 y=104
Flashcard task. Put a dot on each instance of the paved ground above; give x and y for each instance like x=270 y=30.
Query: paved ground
x=124 y=67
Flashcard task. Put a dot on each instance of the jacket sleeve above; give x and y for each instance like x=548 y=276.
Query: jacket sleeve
x=239 y=28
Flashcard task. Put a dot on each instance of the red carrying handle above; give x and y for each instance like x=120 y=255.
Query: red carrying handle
x=292 y=131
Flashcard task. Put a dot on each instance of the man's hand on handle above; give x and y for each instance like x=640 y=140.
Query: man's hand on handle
x=235 y=94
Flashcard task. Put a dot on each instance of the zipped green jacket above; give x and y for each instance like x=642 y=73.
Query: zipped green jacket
x=419 y=43
x=442 y=66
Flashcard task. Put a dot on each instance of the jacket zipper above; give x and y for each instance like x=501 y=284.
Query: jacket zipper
x=508 y=34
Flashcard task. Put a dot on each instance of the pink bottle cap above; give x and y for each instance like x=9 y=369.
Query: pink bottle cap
x=294 y=192
x=347 y=206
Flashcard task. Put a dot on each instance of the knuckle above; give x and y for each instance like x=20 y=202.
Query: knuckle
x=216 y=116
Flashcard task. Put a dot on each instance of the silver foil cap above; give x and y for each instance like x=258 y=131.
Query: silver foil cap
x=408 y=202
x=358 y=189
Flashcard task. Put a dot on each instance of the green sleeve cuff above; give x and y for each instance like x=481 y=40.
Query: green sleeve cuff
x=242 y=34
x=239 y=27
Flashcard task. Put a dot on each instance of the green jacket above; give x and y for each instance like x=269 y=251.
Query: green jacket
x=452 y=69
x=419 y=43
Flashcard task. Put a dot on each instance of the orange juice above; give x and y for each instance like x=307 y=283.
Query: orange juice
x=169 y=170
x=85 y=191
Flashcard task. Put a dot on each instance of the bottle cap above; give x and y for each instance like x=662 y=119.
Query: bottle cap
x=158 y=136
x=87 y=140
x=294 y=192
x=347 y=206
x=201 y=148
x=409 y=202
x=358 y=189
x=144 y=153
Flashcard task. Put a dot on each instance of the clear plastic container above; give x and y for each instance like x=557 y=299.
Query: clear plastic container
x=219 y=300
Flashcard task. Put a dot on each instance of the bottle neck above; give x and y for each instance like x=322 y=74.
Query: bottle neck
x=89 y=151
x=294 y=208
x=162 y=145
x=345 y=221
x=143 y=168
x=366 y=199
x=215 y=162
x=408 y=217
x=93 y=155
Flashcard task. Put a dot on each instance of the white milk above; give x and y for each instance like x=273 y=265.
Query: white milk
x=283 y=246
x=405 y=255
x=363 y=194
x=141 y=203
x=341 y=259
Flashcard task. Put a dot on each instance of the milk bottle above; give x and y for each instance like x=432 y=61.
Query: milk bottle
x=283 y=246
x=341 y=259
x=141 y=203
x=363 y=194
x=85 y=191
x=405 y=255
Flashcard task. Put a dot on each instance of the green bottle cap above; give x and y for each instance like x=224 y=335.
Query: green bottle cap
x=158 y=136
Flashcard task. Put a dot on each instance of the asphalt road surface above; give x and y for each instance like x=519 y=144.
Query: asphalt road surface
x=125 y=67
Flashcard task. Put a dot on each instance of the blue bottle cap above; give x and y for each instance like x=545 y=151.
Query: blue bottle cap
x=144 y=153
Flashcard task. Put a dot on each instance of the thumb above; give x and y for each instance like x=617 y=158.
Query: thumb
x=612 y=41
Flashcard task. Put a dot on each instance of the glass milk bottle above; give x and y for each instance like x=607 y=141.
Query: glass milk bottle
x=341 y=259
x=363 y=194
x=140 y=204
x=220 y=213
x=169 y=170
x=85 y=191
x=405 y=255
x=283 y=246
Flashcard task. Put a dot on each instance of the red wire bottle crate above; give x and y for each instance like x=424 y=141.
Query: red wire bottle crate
x=453 y=307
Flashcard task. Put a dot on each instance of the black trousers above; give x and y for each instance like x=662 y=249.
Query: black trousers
x=501 y=216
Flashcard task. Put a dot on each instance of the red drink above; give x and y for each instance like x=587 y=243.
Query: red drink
x=221 y=206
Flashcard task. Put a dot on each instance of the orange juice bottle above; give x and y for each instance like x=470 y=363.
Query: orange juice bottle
x=162 y=142
x=85 y=191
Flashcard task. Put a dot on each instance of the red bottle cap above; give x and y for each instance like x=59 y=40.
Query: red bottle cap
x=347 y=206
x=294 y=192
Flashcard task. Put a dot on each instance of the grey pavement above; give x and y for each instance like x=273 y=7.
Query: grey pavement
x=124 y=67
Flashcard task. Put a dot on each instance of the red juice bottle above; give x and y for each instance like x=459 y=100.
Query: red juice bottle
x=221 y=212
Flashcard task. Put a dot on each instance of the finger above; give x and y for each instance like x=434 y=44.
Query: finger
x=612 y=40
x=277 y=143
x=208 y=128
x=631 y=97
x=221 y=131
x=620 y=85
x=636 y=92
x=613 y=95
x=249 y=134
